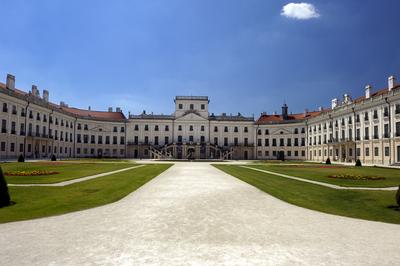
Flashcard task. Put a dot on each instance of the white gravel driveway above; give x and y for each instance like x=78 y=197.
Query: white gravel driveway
x=194 y=214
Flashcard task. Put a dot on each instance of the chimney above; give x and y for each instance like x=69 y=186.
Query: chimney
x=285 y=111
x=118 y=110
x=46 y=96
x=305 y=112
x=274 y=113
x=35 y=91
x=320 y=108
x=10 y=82
x=391 y=82
x=367 y=91
x=110 y=109
x=334 y=103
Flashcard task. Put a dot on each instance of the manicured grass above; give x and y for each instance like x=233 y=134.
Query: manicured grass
x=362 y=204
x=35 y=202
x=321 y=172
x=67 y=170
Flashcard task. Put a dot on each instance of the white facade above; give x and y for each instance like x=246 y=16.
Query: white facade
x=367 y=128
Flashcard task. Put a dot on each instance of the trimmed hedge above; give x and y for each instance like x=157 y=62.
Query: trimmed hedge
x=4 y=196
x=358 y=162
x=21 y=158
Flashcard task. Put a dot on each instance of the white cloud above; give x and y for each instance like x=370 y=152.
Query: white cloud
x=300 y=11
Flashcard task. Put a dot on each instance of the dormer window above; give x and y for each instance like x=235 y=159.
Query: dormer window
x=191 y=106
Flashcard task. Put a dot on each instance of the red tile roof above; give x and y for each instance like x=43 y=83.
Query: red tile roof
x=102 y=115
x=267 y=119
x=94 y=114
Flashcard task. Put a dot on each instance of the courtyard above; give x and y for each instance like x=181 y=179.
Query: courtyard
x=193 y=213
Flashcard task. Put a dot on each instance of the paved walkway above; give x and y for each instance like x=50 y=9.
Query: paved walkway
x=320 y=183
x=77 y=180
x=194 y=214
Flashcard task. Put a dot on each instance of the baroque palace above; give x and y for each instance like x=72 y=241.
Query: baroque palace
x=365 y=128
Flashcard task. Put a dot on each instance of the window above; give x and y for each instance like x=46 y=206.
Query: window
x=216 y=141
x=387 y=151
x=146 y=127
x=376 y=151
x=3 y=146
x=397 y=129
x=166 y=140
x=259 y=142
x=246 y=141
x=136 y=128
x=225 y=141
x=180 y=128
x=136 y=140
x=376 y=135
x=235 y=129
x=385 y=112
x=235 y=141
x=115 y=129
x=366 y=133
x=180 y=106
x=14 y=110
x=202 y=128
x=386 y=130
x=266 y=142
x=156 y=140
x=5 y=109
x=122 y=129
x=179 y=139
x=245 y=130
x=99 y=139
x=190 y=138
x=259 y=132
x=191 y=106
x=166 y=128
x=203 y=106
x=190 y=128
x=366 y=116
x=107 y=139
x=226 y=129
x=375 y=114
x=274 y=142
x=115 y=140
x=215 y=129
x=21 y=147
x=156 y=128
x=281 y=142
x=3 y=126
x=92 y=140
x=85 y=127
x=367 y=151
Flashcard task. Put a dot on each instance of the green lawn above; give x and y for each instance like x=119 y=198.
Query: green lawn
x=35 y=202
x=68 y=170
x=321 y=172
x=368 y=205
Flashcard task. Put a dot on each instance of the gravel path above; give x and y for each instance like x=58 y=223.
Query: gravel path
x=320 y=183
x=76 y=180
x=194 y=214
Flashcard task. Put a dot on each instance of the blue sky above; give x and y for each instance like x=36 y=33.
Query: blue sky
x=244 y=54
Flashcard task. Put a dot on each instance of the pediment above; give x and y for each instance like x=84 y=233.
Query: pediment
x=279 y=130
x=192 y=116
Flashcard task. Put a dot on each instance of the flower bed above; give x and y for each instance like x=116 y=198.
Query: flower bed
x=356 y=177
x=30 y=173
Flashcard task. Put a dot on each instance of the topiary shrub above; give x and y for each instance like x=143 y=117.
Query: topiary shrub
x=398 y=196
x=21 y=158
x=53 y=158
x=4 y=196
x=328 y=161
x=358 y=162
